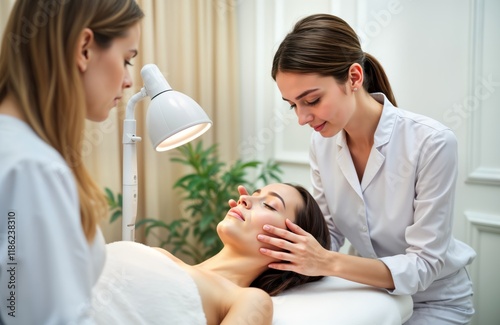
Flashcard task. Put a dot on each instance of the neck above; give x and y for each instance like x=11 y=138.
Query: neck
x=239 y=269
x=361 y=128
x=10 y=107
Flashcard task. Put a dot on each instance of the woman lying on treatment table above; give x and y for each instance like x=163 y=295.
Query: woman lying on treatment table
x=229 y=284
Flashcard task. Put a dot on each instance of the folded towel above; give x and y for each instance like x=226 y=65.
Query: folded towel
x=140 y=285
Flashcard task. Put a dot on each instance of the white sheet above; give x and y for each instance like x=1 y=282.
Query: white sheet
x=140 y=285
x=337 y=301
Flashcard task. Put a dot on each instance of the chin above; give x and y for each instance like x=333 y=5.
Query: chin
x=223 y=228
x=329 y=133
x=98 y=112
x=99 y=118
x=233 y=235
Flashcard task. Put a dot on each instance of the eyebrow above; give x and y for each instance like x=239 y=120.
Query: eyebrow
x=305 y=93
x=272 y=194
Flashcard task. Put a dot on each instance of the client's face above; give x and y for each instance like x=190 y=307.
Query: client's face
x=272 y=205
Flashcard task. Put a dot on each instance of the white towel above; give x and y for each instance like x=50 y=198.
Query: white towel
x=333 y=300
x=140 y=285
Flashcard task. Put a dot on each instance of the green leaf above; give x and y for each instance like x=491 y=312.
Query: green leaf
x=117 y=214
x=179 y=160
x=109 y=195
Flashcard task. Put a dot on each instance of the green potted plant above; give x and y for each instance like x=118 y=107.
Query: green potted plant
x=206 y=191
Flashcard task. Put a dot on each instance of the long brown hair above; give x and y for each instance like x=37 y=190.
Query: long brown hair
x=310 y=218
x=38 y=69
x=327 y=45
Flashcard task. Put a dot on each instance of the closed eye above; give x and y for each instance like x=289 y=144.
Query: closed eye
x=314 y=102
x=269 y=207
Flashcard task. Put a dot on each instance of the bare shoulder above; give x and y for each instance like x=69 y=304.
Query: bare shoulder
x=169 y=255
x=250 y=306
x=254 y=294
x=227 y=303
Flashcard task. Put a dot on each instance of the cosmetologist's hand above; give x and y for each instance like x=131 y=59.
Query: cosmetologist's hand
x=243 y=191
x=305 y=254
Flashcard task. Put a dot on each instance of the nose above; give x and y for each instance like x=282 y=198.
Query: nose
x=304 y=115
x=127 y=79
x=245 y=201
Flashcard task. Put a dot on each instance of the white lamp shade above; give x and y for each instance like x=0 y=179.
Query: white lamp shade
x=174 y=119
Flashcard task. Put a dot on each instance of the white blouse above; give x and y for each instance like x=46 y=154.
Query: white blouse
x=47 y=267
x=402 y=210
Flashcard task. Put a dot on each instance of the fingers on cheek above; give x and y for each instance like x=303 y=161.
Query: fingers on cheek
x=279 y=256
x=263 y=238
x=266 y=251
x=277 y=232
x=280 y=243
x=272 y=253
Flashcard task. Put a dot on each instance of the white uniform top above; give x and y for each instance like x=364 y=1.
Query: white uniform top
x=47 y=267
x=402 y=210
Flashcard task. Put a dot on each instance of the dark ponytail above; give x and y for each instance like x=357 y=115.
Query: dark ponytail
x=375 y=78
x=327 y=45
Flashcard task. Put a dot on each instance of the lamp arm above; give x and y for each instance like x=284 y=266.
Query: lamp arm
x=129 y=112
x=129 y=189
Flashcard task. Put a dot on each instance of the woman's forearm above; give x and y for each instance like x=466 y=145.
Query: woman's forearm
x=360 y=269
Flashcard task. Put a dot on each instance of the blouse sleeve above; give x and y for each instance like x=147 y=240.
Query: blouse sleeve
x=429 y=236
x=46 y=266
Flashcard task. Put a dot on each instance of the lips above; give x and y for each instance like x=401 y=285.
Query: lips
x=318 y=128
x=236 y=214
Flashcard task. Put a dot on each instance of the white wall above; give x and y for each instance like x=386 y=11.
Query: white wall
x=442 y=58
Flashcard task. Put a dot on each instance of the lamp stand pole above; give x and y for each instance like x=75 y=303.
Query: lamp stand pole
x=129 y=190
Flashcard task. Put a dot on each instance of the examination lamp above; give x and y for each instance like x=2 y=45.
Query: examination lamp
x=173 y=119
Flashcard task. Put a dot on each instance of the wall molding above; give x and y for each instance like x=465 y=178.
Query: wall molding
x=479 y=225
x=483 y=221
x=476 y=172
x=484 y=175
